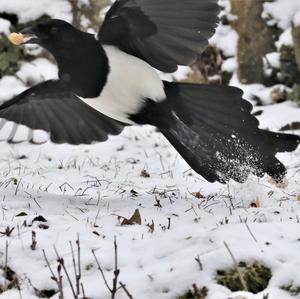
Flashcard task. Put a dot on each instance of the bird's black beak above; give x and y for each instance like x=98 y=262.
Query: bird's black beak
x=30 y=35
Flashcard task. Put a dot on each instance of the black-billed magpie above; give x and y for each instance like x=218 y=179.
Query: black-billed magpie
x=108 y=81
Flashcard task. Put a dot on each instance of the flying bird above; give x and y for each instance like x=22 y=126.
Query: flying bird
x=108 y=81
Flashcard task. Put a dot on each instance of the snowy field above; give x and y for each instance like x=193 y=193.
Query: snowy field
x=184 y=232
x=86 y=190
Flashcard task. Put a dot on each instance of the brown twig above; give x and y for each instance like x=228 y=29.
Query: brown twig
x=78 y=258
x=33 y=240
x=113 y=290
x=60 y=282
x=169 y=223
x=123 y=286
x=197 y=259
x=58 y=279
x=6 y=256
x=82 y=289
x=61 y=262
x=116 y=271
x=77 y=269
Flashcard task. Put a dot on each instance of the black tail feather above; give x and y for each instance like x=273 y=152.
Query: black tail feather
x=213 y=130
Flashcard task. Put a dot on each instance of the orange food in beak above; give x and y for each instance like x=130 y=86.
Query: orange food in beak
x=16 y=38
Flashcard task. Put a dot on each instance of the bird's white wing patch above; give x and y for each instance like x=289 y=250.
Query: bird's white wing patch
x=130 y=81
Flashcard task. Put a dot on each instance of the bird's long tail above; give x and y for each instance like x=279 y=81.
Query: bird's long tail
x=213 y=130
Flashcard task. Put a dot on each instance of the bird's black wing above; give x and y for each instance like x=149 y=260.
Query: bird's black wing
x=49 y=106
x=165 y=33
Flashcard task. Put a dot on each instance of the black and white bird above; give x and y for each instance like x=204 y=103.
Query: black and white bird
x=109 y=81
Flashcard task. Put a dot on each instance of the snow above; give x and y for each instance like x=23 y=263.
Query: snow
x=281 y=12
x=226 y=11
x=31 y=72
x=179 y=75
x=285 y=39
x=230 y=65
x=286 y=112
x=296 y=20
x=28 y=10
x=273 y=60
x=37 y=71
x=225 y=39
x=4 y=26
x=248 y=89
x=264 y=94
x=226 y=5
x=9 y=87
x=91 y=185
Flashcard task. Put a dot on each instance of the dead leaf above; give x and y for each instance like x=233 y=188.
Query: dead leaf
x=134 y=193
x=43 y=226
x=21 y=214
x=145 y=174
x=151 y=227
x=39 y=218
x=198 y=194
x=282 y=184
x=7 y=232
x=256 y=203
x=134 y=219
x=121 y=148
x=278 y=95
x=291 y=126
x=22 y=157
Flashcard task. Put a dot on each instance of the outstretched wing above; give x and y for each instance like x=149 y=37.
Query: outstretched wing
x=49 y=106
x=165 y=33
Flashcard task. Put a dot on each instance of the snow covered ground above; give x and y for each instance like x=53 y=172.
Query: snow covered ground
x=85 y=190
x=60 y=192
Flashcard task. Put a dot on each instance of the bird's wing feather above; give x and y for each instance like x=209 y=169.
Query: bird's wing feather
x=50 y=107
x=165 y=33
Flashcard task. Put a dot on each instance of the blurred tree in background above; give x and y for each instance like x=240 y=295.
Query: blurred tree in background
x=266 y=53
x=256 y=39
x=87 y=15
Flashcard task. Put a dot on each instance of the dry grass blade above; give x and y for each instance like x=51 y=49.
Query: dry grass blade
x=237 y=268
x=134 y=219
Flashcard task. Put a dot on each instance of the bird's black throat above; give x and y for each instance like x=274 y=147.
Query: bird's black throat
x=82 y=62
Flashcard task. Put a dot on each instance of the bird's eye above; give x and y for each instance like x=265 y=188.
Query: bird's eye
x=54 y=30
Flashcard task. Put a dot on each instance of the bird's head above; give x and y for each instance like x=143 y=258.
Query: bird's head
x=49 y=33
x=79 y=56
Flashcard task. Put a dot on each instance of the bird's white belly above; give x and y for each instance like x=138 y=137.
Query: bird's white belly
x=130 y=81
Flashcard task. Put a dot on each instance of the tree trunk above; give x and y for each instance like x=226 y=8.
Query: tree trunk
x=255 y=39
x=296 y=38
x=87 y=16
